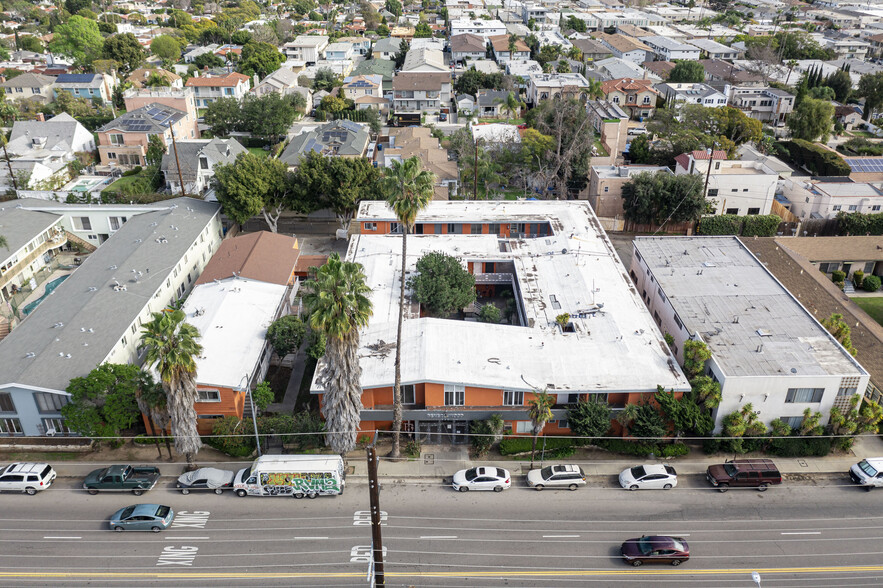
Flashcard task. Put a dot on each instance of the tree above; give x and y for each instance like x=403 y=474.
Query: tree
x=399 y=58
x=822 y=93
x=260 y=58
x=166 y=48
x=125 y=50
x=854 y=421
x=639 y=151
x=422 y=31
x=337 y=300
x=539 y=410
x=489 y=313
x=252 y=185
x=567 y=163
x=811 y=423
x=268 y=116
x=589 y=418
x=408 y=189
x=325 y=80
x=395 y=7
x=626 y=416
x=103 y=402
x=684 y=413
x=156 y=148
x=686 y=72
x=207 y=60
x=263 y=395
x=841 y=82
x=812 y=120
x=334 y=182
x=696 y=353
x=31 y=43
x=442 y=284
x=841 y=331
x=706 y=391
x=151 y=400
x=286 y=334
x=648 y=423
x=870 y=87
x=333 y=104
x=480 y=168
x=575 y=24
x=78 y=39
x=656 y=198
x=171 y=348
x=223 y=116
x=74 y=6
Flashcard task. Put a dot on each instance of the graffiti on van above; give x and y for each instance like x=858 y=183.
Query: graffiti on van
x=289 y=483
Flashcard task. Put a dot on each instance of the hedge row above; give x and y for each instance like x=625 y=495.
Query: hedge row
x=817 y=159
x=857 y=223
x=557 y=447
x=766 y=225
x=779 y=446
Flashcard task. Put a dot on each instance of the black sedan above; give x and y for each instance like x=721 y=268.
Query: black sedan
x=206 y=479
x=656 y=549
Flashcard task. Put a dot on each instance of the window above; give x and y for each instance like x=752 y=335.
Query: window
x=794 y=422
x=659 y=292
x=734 y=190
x=455 y=395
x=111 y=155
x=408 y=394
x=513 y=398
x=116 y=139
x=454 y=228
x=606 y=188
x=49 y=403
x=875 y=207
x=848 y=387
x=712 y=192
x=646 y=99
x=827 y=268
x=523 y=427
x=717 y=165
x=804 y=395
x=203 y=163
x=82 y=223
x=853 y=207
x=732 y=211
x=678 y=322
x=208 y=396
x=6 y=404
x=370 y=226
x=10 y=426
x=563 y=424
x=753 y=211
x=475 y=229
x=869 y=267
x=616 y=99
x=116 y=222
x=56 y=425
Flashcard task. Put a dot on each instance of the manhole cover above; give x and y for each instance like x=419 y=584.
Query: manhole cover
x=429 y=459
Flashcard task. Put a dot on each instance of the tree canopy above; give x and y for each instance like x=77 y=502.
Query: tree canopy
x=125 y=50
x=252 y=185
x=870 y=87
x=78 y=39
x=103 y=402
x=338 y=183
x=442 y=284
x=166 y=47
x=259 y=58
x=286 y=334
x=589 y=418
x=659 y=197
x=687 y=72
x=812 y=120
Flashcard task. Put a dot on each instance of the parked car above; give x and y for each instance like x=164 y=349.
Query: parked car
x=868 y=473
x=206 y=479
x=637 y=131
x=443 y=116
x=655 y=549
x=120 y=478
x=142 y=517
x=482 y=478
x=649 y=477
x=26 y=477
x=744 y=473
x=557 y=476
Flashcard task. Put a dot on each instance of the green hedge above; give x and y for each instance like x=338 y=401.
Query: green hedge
x=558 y=447
x=857 y=223
x=765 y=225
x=871 y=283
x=640 y=449
x=817 y=159
x=515 y=445
x=723 y=224
x=806 y=447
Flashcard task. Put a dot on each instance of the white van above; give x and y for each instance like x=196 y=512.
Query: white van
x=292 y=475
x=868 y=472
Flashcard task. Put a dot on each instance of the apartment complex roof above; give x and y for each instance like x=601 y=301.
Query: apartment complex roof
x=262 y=256
x=153 y=118
x=19 y=226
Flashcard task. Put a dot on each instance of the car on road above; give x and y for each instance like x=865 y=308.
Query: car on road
x=868 y=473
x=637 y=131
x=26 y=477
x=744 y=473
x=649 y=477
x=206 y=479
x=655 y=549
x=121 y=478
x=556 y=476
x=482 y=478
x=142 y=517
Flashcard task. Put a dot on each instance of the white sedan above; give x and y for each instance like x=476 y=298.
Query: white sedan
x=482 y=478
x=649 y=477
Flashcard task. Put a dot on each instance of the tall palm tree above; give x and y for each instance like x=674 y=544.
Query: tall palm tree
x=408 y=189
x=594 y=90
x=337 y=300
x=512 y=105
x=539 y=409
x=172 y=349
x=792 y=63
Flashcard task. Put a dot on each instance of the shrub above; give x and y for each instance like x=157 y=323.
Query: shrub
x=724 y=224
x=800 y=447
x=234 y=446
x=871 y=283
x=817 y=159
x=858 y=277
x=515 y=445
x=132 y=172
x=482 y=438
x=761 y=225
x=412 y=449
x=489 y=314
x=841 y=285
x=838 y=276
x=858 y=223
x=675 y=450
x=628 y=447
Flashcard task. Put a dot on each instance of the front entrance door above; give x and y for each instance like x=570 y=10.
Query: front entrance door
x=443 y=432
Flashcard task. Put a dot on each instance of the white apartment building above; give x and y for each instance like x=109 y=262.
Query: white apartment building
x=482 y=28
x=766 y=348
x=765 y=104
x=687 y=93
x=825 y=199
x=306 y=48
x=667 y=49
x=734 y=187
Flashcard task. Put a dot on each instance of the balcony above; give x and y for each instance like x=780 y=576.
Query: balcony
x=16 y=269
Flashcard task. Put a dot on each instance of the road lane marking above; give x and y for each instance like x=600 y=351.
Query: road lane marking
x=438 y=536
x=304 y=538
x=49 y=537
x=177 y=556
x=192 y=538
x=803 y=533
x=193 y=519
x=558 y=536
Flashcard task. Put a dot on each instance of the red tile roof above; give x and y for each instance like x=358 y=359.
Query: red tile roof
x=231 y=79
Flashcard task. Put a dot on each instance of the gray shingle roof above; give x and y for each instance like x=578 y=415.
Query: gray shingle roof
x=28 y=80
x=341 y=137
x=218 y=151
x=19 y=226
x=153 y=118
x=58 y=132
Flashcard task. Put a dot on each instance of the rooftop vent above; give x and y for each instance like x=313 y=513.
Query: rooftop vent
x=764 y=333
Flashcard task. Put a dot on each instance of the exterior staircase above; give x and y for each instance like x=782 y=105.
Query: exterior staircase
x=89 y=247
x=5 y=327
x=848 y=287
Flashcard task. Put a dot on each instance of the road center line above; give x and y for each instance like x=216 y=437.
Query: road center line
x=310 y=538
x=804 y=533
x=50 y=537
x=558 y=536
x=438 y=536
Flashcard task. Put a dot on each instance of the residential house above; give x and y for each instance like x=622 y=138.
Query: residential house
x=533 y=12
x=626 y=48
x=848 y=47
x=28 y=86
x=339 y=51
x=591 y=49
x=521 y=72
x=386 y=48
x=415 y=92
x=767 y=349
x=381 y=67
x=198 y=159
x=848 y=115
x=191 y=55
x=614 y=68
x=483 y=28
x=637 y=97
x=463 y=371
x=182 y=99
x=688 y=93
x=403 y=143
x=307 y=48
x=768 y=104
x=713 y=50
x=660 y=68
x=465 y=104
x=96 y=314
x=502 y=49
x=723 y=71
x=361 y=45
x=554 y=38
x=123 y=141
x=630 y=30
x=282 y=81
x=817 y=199
x=846 y=254
x=611 y=125
x=490 y=103
x=89 y=86
x=467 y=46
x=366 y=92
x=604 y=191
x=733 y=186
x=667 y=49
x=340 y=138
x=404 y=33
x=425 y=60
x=139 y=77
x=207 y=89
x=546 y=86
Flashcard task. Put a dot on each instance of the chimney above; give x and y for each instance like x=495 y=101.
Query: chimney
x=41 y=117
x=257 y=80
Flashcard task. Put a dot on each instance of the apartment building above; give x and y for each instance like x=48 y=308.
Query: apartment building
x=734 y=186
x=770 y=105
x=207 y=89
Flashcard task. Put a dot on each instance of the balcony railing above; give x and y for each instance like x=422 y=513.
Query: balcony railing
x=24 y=262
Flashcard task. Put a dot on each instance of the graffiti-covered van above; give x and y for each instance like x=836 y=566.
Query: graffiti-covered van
x=292 y=475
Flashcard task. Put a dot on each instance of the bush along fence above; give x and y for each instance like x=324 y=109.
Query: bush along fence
x=857 y=223
x=818 y=160
x=765 y=225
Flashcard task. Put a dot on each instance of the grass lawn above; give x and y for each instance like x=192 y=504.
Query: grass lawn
x=118 y=185
x=862 y=134
x=511 y=121
x=871 y=305
x=602 y=152
x=259 y=151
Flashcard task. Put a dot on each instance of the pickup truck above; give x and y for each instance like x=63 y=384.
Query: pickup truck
x=122 y=477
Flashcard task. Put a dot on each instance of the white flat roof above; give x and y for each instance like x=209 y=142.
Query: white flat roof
x=720 y=290
x=617 y=347
x=232 y=316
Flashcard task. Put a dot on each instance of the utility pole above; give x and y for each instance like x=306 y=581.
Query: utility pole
x=376 y=539
x=178 y=163
x=9 y=165
x=475 y=172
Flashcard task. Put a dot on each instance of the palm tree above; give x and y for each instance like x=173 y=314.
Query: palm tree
x=512 y=105
x=539 y=409
x=172 y=349
x=626 y=416
x=792 y=63
x=408 y=189
x=594 y=90
x=337 y=301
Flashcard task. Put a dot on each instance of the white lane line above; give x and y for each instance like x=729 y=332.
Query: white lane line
x=804 y=533
x=558 y=536
x=51 y=537
x=310 y=538
x=438 y=536
x=192 y=538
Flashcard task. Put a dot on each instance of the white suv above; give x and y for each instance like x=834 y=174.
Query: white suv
x=26 y=477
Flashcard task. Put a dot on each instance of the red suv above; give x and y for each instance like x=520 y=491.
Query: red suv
x=748 y=473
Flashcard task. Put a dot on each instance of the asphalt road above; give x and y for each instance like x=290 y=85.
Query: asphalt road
x=811 y=532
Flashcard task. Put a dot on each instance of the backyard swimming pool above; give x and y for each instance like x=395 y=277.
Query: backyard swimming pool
x=50 y=287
